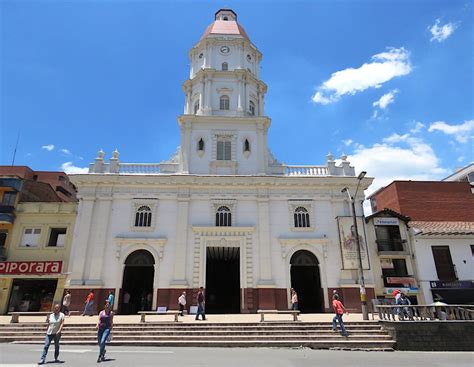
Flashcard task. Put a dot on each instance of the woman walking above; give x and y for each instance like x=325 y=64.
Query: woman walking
x=294 y=300
x=89 y=304
x=66 y=303
x=55 y=326
x=104 y=327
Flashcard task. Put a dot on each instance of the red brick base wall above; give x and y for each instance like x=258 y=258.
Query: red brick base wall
x=78 y=298
x=350 y=297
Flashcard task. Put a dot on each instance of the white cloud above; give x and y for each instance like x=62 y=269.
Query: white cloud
x=347 y=142
x=441 y=33
x=397 y=157
x=462 y=132
x=418 y=127
x=385 y=100
x=66 y=151
x=382 y=68
x=48 y=147
x=69 y=168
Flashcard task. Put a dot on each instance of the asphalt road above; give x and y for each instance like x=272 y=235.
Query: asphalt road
x=28 y=355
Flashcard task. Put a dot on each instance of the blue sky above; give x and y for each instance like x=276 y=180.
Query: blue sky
x=389 y=83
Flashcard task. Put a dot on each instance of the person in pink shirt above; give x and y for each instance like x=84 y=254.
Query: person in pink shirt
x=339 y=309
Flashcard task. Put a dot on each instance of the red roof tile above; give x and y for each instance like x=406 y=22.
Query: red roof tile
x=443 y=228
x=225 y=27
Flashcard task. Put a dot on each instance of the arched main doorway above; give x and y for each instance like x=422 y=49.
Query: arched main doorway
x=137 y=282
x=305 y=279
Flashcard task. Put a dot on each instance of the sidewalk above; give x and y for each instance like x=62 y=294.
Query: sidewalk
x=215 y=319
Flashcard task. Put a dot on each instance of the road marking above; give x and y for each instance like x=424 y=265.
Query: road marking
x=18 y=365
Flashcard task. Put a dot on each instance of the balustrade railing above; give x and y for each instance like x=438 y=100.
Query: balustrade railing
x=306 y=171
x=424 y=312
x=140 y=168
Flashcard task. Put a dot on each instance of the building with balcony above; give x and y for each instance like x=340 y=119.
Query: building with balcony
x=441 y=232
x=391 y=254
x=222 y=212
x=36 y=226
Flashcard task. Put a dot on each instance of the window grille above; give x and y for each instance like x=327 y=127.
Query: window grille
x=143 y=217
x=223 y=217
x=301 y=216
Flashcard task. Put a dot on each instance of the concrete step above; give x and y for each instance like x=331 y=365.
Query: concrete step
x=343 y=343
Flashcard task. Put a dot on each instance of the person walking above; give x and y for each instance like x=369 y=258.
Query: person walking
x=104 y=327
x=339 y=309
x=404 y=312
x=66 y=303
x=200 y=301
x=182 y=303
x=111 y=299
x=55 y=326
x=294 y=300
x=89 y=304
x=126 y=303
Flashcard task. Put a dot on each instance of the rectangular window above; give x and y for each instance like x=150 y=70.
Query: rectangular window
x=3 y=237
x=444 y=263
x=9 y=198
x=393 y=268
x=31 y=237
x=57 y=237
x=388 y=238
x=224 y=150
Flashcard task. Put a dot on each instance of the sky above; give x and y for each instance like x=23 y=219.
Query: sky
x=388 y=83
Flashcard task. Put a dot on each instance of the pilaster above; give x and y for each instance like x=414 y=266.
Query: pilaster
x=264 y=241
x=181 y=240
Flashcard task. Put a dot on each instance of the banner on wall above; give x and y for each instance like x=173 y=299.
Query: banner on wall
x=348 y=243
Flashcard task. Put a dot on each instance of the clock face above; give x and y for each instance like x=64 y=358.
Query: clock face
x=225 y=49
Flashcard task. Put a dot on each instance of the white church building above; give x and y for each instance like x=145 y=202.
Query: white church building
x=223 y=212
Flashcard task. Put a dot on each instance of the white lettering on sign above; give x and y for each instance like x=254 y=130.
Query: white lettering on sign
x=31 y=267
x=386 y=221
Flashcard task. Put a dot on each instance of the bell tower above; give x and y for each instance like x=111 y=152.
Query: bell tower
x=224 y=128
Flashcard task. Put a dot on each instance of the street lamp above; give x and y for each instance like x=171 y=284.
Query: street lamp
x=363 y=295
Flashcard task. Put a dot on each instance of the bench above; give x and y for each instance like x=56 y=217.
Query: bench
x=16 y=315
x=278 y=312
x=144 y=313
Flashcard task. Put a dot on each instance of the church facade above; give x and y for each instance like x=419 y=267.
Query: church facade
x=222 y=213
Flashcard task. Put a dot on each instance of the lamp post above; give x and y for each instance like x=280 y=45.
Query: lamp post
x=363 y=295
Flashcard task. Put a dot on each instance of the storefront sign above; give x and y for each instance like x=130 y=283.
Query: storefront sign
x=458 y=284
x=385 y=221
x=31 y=267
x=348 y=243
x=401 y=280
x=408 y=291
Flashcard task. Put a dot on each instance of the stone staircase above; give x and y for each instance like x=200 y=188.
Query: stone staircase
x=365 y=335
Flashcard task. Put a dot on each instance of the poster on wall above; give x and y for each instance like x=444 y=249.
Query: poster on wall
x=348 y=243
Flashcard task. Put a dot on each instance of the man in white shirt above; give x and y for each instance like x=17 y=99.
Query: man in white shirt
x=182 y=303
x=55 y=326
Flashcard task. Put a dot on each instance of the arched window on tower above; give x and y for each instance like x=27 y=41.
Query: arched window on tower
x=252 y=108
x=143 y=216
x=196 y=107
x=301 y=216
x=225 y=18
x=225 y=66
x=201 y=144
x=223 y=217
x=246 y=146
x=224 y=102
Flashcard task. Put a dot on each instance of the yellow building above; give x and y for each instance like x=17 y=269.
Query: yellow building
x=38 y=253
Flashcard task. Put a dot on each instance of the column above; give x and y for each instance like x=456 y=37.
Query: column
x=261 y=110
x=264 y=240
x=261 y=146
x=244 y=99
x=207 y=95
x=239 y=94
x=242 y=56
x=179 y=276
x=98 y=240
x=80 y=242
x=187 y=106
x=185 y=145
x=201 y=94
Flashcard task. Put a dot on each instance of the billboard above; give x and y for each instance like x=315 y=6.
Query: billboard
x=348 y=243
